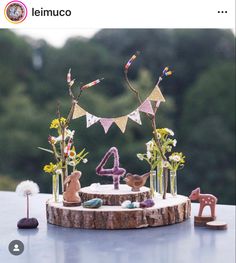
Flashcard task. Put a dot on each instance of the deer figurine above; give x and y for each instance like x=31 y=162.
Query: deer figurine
x=204 y=200
x=72 y=187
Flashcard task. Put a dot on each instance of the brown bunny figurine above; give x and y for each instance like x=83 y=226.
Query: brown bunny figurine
x=72 y=187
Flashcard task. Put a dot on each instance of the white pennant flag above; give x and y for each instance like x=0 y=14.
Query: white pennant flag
x=135 y=116
x=91 y=119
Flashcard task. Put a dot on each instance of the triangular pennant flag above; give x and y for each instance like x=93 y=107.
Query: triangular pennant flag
x=91 y=119
x=156 y=95
x=146 y=107
x=78 y=112
x=121 y=122
x=106 y=123
x=135 y=116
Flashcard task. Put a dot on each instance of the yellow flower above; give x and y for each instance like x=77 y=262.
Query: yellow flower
x=55 y=123
x=49 y=168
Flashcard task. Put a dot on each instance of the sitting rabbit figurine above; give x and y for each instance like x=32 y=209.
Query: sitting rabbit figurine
x=72 y=187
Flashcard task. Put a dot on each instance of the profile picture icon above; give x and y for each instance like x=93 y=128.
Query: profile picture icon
x=15 y=12
x=16 y=248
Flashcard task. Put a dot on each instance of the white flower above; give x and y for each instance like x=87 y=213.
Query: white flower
x=125 y=203
x=140 y=156
x=57 y=139
x=72 y=163
x=85 y=160
x=58 y=171
x=169 y=131
x=150 y=146
x=149 y=155
x=69 y=133
x=165 y=164
x=27 y=188
x=72 y=154
x=174 y=158
x=174 y=142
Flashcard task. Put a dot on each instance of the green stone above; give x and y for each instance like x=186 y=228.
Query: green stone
x=93 y=203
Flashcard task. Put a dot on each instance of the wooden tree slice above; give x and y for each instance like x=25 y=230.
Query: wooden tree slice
x=110 y=196
x=202 y=220
x=65 y=203
x=165 y=212
x=217 y=225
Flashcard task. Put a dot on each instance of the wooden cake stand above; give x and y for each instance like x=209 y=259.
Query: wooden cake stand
x=165 y=212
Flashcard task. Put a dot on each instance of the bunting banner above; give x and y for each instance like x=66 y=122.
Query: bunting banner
x=156 y=95
x=106 y=123
x=135 y=116
x=78 y=112
x=121 y=122
x=146 y=107
x=91 y=119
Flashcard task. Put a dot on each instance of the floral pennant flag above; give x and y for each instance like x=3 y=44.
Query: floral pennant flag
x=146 y=107
x=78 y=112
x=135 y=116
x=121 y=122
x=156 y=95
x=91 y=119
x=106 y=123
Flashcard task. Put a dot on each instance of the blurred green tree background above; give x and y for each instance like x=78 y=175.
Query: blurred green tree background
x=200 y=105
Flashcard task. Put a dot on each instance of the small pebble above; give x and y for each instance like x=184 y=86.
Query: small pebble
x=28 y=223
x=125 y=204
x=147 y=203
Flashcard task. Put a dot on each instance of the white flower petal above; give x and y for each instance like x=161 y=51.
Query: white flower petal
x=149 y=155
x=71 y=163
x=140 y=156
x=174 y=142
x=150 y=145
x=169 y=131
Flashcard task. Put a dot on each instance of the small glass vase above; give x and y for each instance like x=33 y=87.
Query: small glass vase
x=160 y=179
x=153 y=183
x=55 y=187
x=173 y=183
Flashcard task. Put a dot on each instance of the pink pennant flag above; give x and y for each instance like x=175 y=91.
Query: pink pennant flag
x=106 y=124
x=146 y=107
